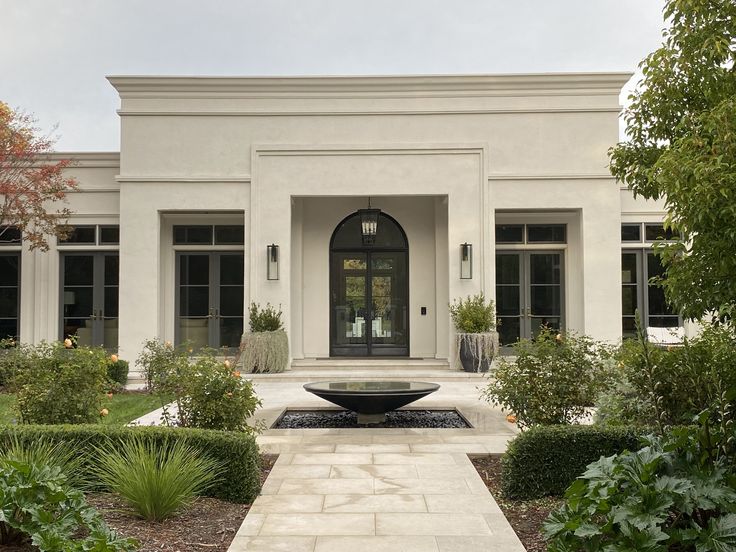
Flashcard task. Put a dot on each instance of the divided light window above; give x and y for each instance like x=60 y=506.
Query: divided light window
x=208 y=234
x=10 y=235
x=93 y=234
x=531 y=233
x=632 y=232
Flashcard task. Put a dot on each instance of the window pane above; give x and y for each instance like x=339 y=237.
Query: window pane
x=548 y=233
x=509 y=330
x=110 y=234
x=194 y=270
x=231 y=331
x=231 y=269
x=9 y=235
x=509 y=233
x=654 y=265
x=550 y=323
x=9 y=270
x=195 y=301
x=631 y=232
x=112 y=270
x=545 y=268
x=80 y=235
x=628 y=326
x=229 y=235
x=628 y=268
x=111 y=302
x=231 y=301
x=78 y=270
x=629 y=299
x=78 y=302
x=507 y=300
x=193 y=235
x=545 y=300
x=655 y=232
x=8 y=303
x=664 y=322
x=8 y=328
x=507 y=269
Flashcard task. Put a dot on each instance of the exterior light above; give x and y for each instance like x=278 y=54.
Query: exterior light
x=272 y=262
x=466 y=261
x=369 y=223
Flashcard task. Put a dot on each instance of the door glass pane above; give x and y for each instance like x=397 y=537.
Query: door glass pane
x=658 y=305
x=110 y=298
x=194 y=299
x=195 y=331
x=389 y=301
x=231 y=331
x=509 y=330
x=628 y=268
x=548 y=322
x=231 y=270
x=9 y=294
x=9 y=270
x=79 y=270
x=545 y=268
x=629 y=299
x=545 y=292
x=545 y=300
x=78 y=298
x=508 y=300
x=508 y=297
x=349 y=299
x=507 y=269
x=231 y=302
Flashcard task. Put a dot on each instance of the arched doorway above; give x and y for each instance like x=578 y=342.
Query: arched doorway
x=369 y=289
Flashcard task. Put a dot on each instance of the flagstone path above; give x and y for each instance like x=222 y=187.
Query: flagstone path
x=356 y=490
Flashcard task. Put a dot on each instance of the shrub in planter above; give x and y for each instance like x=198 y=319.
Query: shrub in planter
x=477 y=341
x=39 y=506
x=551 y=380
x=658 y=498
x=236 y=451
x=57 y=385
x=266 y=347
x=545 y=460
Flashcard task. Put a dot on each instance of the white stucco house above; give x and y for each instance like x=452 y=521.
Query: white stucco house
x=228 y=191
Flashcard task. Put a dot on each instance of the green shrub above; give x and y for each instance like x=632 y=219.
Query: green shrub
x=56 y=385
x=551 y=380
x=210 y=395
x=157 y=480
x=675 y=383
x=545 y=460
x=117 y=371
x=658 y=498
x=266 y=319
x=39 y=506
x=45 y=452
x=236 y=451
x=473 y=314
x=160 y=359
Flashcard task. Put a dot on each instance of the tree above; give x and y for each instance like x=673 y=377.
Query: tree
x=681 y=126
x=30 y=182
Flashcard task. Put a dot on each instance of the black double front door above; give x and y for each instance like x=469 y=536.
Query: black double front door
x=369 y=303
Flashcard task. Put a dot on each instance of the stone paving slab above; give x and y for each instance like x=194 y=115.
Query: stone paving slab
x=360 y=490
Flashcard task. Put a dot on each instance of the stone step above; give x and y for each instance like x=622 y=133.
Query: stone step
x=370 y=364
x=305 y=376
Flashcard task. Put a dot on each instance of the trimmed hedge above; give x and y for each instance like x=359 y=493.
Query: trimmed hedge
x=238 y=452
x=545 y=460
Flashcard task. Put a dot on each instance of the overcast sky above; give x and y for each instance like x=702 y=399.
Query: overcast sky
x=55 y=54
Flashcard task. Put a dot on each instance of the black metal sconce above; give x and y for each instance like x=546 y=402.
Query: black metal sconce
x=272 y=262
x=466 y=261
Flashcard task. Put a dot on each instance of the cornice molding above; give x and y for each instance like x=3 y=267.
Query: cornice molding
x=84 y=159
x=138 y=86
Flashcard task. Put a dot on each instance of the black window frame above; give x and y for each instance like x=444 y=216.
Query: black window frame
x=525 y=233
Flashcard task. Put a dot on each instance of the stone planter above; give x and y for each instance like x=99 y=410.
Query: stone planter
x=476 y=351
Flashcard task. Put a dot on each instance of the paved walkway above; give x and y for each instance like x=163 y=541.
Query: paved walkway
x=355 y=490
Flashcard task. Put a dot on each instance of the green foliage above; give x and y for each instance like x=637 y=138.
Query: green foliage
x=545 y=460
x=117 y=371
x=157 y=480
x=473 y=314
x=48 y=453
x=38 y=504
x=551 y=379
x=266 y=319
x=159 y=359
x=659 y=498
x=266 y=352
x=669 y=386
x=681 y=128
x=55 y=385
x=237 y=452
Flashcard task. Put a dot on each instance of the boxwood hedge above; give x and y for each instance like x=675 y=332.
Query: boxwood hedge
x=238 y=452
x=545 y=460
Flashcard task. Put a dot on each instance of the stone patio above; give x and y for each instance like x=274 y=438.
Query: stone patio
x=377 y=489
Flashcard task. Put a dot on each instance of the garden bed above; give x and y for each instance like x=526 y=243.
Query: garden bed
x=208 y=524
x=525 y=516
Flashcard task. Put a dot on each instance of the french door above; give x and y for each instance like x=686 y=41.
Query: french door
x=89 y=298
x=369 y=296
x=209 y=308
x=529 y=293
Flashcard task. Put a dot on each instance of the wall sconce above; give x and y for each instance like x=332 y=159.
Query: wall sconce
x=466 y=261
x=272 y=262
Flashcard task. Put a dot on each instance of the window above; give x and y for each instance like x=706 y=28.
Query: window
x=531 y=233
x=638 y=266
x=654 y=232
x=208 y=234
x=9 y=295
x=631 y=232
x=10 y=235
x=92 y=234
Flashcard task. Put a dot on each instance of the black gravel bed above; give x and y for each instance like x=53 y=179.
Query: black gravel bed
x=399 y=419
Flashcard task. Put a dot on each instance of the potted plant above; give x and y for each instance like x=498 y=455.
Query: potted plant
x=266 y=347
x=477 y=338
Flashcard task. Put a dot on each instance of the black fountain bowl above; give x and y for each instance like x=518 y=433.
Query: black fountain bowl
x=371 y=397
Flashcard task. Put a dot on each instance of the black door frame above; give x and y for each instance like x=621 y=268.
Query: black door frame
x=371 y=350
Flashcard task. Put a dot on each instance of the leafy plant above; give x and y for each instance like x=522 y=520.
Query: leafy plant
x=266 y=319
x=473 y=314
x=160 y=359
x=56 y=385
x=48 y=453
x=655 y=499
x=37 y=504
x=551 y=380
x=117 y=370
x=155 y=480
